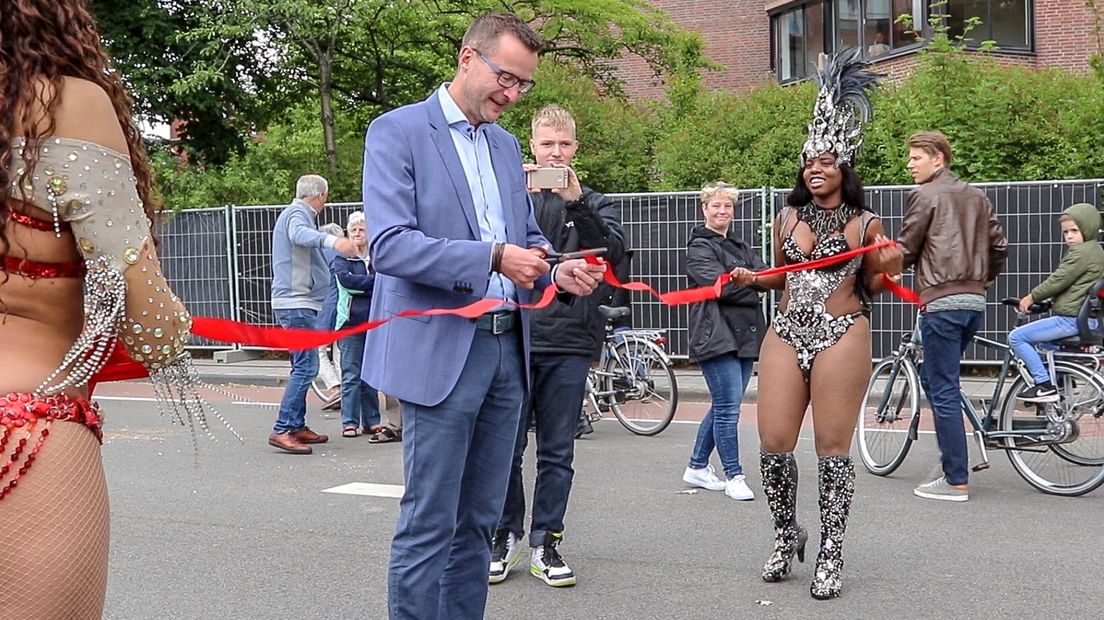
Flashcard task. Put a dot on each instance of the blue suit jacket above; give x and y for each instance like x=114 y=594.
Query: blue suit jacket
x=426 y=248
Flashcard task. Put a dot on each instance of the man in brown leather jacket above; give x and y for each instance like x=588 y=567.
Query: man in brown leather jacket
x=958 y=248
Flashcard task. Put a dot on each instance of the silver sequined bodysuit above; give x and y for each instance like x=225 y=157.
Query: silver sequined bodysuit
x=805 y=324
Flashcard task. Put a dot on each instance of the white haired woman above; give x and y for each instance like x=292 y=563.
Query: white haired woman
x=351 y=286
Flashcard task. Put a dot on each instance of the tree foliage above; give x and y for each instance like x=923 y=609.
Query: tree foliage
x=143 y=39
x=374 y=55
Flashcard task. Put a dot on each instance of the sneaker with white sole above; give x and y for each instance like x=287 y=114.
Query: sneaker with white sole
x=505 y=554
x=706 y=478
x=737 y=489
x=941 y=489
x=1041 y=393
x=547 y=565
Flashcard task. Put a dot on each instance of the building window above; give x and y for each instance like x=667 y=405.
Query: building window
x=1008 y=22
x=882 y=33
x=799 y=39
x=801 y=29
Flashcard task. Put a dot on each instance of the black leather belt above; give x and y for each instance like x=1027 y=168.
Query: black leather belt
x=497 y=322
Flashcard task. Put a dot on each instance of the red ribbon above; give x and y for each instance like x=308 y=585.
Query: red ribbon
x=297 y=339
x=121 y=367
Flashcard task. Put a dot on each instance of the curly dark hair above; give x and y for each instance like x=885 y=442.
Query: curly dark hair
x=41 y=43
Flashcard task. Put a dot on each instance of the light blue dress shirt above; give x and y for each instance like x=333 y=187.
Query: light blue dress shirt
x=475 y=155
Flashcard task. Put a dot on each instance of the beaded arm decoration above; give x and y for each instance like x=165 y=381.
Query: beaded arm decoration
x=126 y=297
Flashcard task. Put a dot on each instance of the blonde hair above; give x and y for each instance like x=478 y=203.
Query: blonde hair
x=555 y=117
x=720 y=188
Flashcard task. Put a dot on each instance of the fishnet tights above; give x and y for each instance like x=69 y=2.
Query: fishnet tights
x=835 y=390
x=54 y=530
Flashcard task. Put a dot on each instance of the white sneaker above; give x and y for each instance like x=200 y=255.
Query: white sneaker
x=706 y=478
x=505 y=554
x=548 y=565
x=737 y=489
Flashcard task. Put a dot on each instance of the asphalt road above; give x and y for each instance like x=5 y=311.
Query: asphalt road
x=242 y=531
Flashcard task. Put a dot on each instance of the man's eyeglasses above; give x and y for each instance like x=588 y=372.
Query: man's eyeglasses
x=505 y=78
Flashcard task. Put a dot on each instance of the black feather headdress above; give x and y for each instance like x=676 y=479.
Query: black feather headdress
x=842 y=106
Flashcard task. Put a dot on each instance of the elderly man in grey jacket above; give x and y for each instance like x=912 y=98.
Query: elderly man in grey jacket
x=300 y=279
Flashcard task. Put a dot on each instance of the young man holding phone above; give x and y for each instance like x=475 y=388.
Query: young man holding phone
x=565 y=338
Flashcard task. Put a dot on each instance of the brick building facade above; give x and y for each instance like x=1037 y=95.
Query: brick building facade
x=738 y=35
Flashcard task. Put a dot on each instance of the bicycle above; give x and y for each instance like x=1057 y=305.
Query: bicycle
x=1057 y=448
x=633 y=378
x=326 y=385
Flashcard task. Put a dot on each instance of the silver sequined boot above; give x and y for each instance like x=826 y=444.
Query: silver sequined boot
x=780 y=486
x=837 y=487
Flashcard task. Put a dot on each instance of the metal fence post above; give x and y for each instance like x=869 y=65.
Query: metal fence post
x=232 y=263
x=766 y=250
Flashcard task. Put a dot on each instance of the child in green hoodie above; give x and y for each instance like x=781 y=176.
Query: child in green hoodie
x=1068 y=286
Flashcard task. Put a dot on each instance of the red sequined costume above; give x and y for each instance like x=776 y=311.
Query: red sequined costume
x=53 y=495
x=27 y=411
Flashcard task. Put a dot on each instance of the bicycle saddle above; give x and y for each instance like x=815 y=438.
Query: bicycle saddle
x=611 y=313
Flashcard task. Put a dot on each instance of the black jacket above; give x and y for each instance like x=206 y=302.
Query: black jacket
x=590 y=222
x=734 y=322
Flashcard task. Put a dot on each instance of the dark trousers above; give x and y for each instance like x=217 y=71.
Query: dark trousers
x=456 y=461
x=945 y=336
x=558 y=385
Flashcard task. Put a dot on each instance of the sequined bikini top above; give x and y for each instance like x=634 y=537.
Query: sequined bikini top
x=827 y=225
x=36 y=270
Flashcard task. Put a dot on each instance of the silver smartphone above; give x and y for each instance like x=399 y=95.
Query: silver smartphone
x=546 y=178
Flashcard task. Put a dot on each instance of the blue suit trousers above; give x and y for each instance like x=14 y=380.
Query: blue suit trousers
x=456 y=463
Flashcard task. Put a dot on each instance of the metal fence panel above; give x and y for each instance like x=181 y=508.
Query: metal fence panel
x=196 y=263
x=252 y=228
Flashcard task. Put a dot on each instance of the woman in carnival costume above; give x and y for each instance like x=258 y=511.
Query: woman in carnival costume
x=80 y=275
x=817 y=351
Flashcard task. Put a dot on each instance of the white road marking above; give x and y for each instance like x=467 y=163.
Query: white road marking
x=146 y=399
x=368 y=488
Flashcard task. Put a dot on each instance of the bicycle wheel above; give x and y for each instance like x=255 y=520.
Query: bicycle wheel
x=1069 y=459
x=889 y=415
x=642 y=387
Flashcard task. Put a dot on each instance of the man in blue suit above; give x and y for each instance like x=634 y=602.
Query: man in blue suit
x=450 y=222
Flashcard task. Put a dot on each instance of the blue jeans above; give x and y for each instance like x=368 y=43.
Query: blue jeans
x=359 y=401
x=456 y=462
x=945 y=336
x=559 y=382
x=1024 y=338
x=304 y=367
x=727 y=377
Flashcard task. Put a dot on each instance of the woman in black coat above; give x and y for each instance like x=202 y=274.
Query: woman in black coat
x=725 y=335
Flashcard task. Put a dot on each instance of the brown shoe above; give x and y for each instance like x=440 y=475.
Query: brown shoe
x=288 y=443
x=306 y=435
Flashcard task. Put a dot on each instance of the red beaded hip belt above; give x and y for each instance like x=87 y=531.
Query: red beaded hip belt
x=19 y=410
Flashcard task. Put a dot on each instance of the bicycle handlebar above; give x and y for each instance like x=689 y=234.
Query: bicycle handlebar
x=1038 y=307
